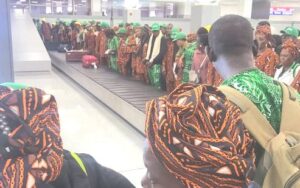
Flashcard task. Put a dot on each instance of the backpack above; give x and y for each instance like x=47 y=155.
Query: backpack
x=280 y=165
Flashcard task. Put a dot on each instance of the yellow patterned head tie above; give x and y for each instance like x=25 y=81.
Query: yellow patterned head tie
x=197 y=134
x=35 y=151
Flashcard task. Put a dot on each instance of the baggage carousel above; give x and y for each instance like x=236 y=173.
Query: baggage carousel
x=123 y=95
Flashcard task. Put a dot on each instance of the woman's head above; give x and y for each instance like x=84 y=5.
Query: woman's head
x=263 y=35
x=197 y=139
x=180 y=39
x=181 y=43
x=30 y=124
x=110 y=33
x=202 y=31
x=289 y=53
x=203 y=41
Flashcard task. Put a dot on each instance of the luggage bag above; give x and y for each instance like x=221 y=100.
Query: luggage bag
x=90 y=61
x=75 y=55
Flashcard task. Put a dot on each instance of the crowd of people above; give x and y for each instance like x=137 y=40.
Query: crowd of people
x=243 y=133
x=165 y=57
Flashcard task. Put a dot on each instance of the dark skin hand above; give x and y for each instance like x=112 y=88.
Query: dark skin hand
x=157 y=176
x=149 y=64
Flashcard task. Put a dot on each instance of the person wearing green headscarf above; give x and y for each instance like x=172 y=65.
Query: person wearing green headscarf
x=155 y=54
x=290 y=33
x=188 y=55
x=85 y=23
x=122 y=24
x=112 y=49
x=102 y=42
x=123 y=57
x=136 y=24
x=167 y=68
x=180 y=39
x=174 y=31
x=163 y=28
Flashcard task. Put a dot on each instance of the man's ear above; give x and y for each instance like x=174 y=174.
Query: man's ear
x=211 y=55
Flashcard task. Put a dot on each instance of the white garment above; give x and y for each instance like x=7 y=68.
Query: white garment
x=156 y=48
x=288 y=76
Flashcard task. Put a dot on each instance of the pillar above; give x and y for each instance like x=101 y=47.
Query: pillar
x=246 y=8
x=6 y=65
x=199 y=15
x=96 y=7
x=188 y=9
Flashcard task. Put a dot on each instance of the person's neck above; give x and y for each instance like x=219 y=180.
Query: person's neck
x=262 y=48
x=286 y=67
x=184 y=45
x=227 y=66
x=201 y=49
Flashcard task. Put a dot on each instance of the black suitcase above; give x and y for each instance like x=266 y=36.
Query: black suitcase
x=63 y=48
x=51 y=46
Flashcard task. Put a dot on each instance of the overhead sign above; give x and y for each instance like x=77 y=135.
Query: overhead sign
x=282 y=11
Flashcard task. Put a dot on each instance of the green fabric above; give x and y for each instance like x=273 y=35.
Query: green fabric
x=84 y=23
x=122 y=31
x=180 y=36
x=155 y=76
x=79 y=162
x=67 y=24
x=188 y=61
x=113 y=44
x=180 y=51
x=174 y=31
x=263 y=91
x=93 y=22
x=291 y=31
x=104 y=25
x=294 y=68
x=163 y=26
x=136 y=24
x=155 y=27
x=14 y=86
x=122 y=24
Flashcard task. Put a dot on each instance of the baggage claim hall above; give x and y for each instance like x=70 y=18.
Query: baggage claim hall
x=149 y=94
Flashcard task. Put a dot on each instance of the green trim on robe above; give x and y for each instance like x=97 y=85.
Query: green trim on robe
x=113 y=44
x=155 y=76
x=188 y=61
x=263 y=91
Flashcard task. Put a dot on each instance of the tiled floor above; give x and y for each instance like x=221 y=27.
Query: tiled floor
x=88 y=126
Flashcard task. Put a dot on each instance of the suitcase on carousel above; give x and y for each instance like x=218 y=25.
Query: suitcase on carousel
x=90 y=61
x=63 y=48
x=51 y=46
x=75 y=55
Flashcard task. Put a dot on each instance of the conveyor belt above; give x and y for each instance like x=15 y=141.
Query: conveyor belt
x=125 y=96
